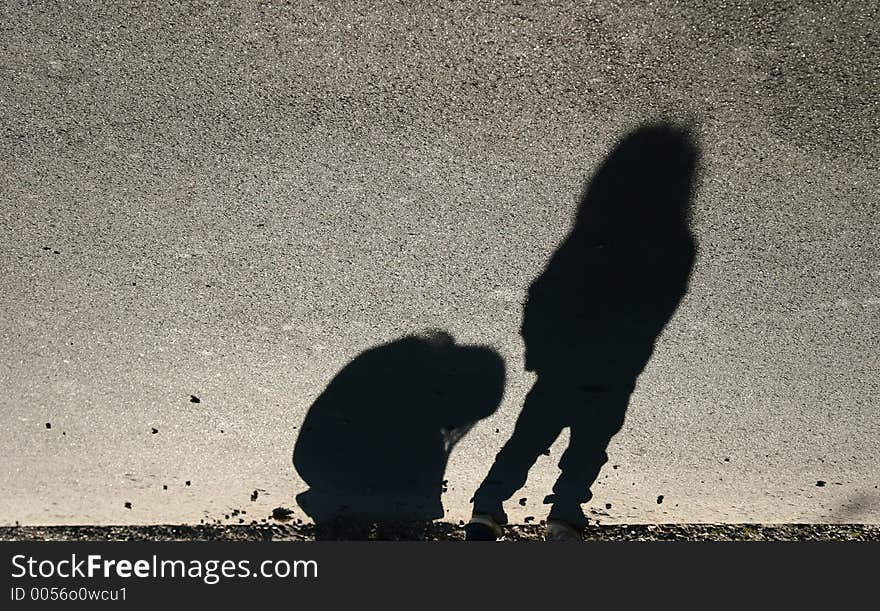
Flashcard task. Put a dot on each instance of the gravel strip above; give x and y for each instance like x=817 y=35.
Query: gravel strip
x=442 y=531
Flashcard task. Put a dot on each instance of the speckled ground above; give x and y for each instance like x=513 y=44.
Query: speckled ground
x=232 y=200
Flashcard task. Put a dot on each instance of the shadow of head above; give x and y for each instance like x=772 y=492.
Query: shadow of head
x=644 y=186
x=374 y=445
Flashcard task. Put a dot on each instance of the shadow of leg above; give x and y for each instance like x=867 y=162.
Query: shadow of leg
x=593 y=426
x=537 y=427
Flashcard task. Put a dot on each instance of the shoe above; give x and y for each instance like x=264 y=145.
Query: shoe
x=482 y=527
x=558 y=530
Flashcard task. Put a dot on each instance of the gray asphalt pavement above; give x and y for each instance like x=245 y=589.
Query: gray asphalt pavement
x=230 y=201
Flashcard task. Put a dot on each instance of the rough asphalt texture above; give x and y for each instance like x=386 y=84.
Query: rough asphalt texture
x=230 y=201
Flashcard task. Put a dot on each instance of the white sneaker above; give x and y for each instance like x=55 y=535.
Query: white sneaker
x=558 y=530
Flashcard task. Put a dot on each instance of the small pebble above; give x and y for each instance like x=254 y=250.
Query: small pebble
x=281 y=512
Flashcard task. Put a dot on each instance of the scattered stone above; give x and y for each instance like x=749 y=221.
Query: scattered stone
x=254 y=495
x=188 y=483
x=820 y=483
x=522 y=501
x=154 y=430
x=55 y=69
x=48 y=425
x=546 y=452
x=282 y=513
x=529 y=519
x=194 y=399
x=660 y=499
x=727 y=459
x=164 y=486
x=607 y=505
x=127 y=504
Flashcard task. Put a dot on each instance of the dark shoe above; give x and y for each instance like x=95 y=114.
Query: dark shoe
x=482 y=527
x=557 y=530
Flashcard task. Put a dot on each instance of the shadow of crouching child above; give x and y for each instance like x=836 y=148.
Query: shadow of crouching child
x=374 y=445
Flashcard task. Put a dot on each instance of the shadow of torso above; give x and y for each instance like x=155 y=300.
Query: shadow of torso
x=594 y=315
